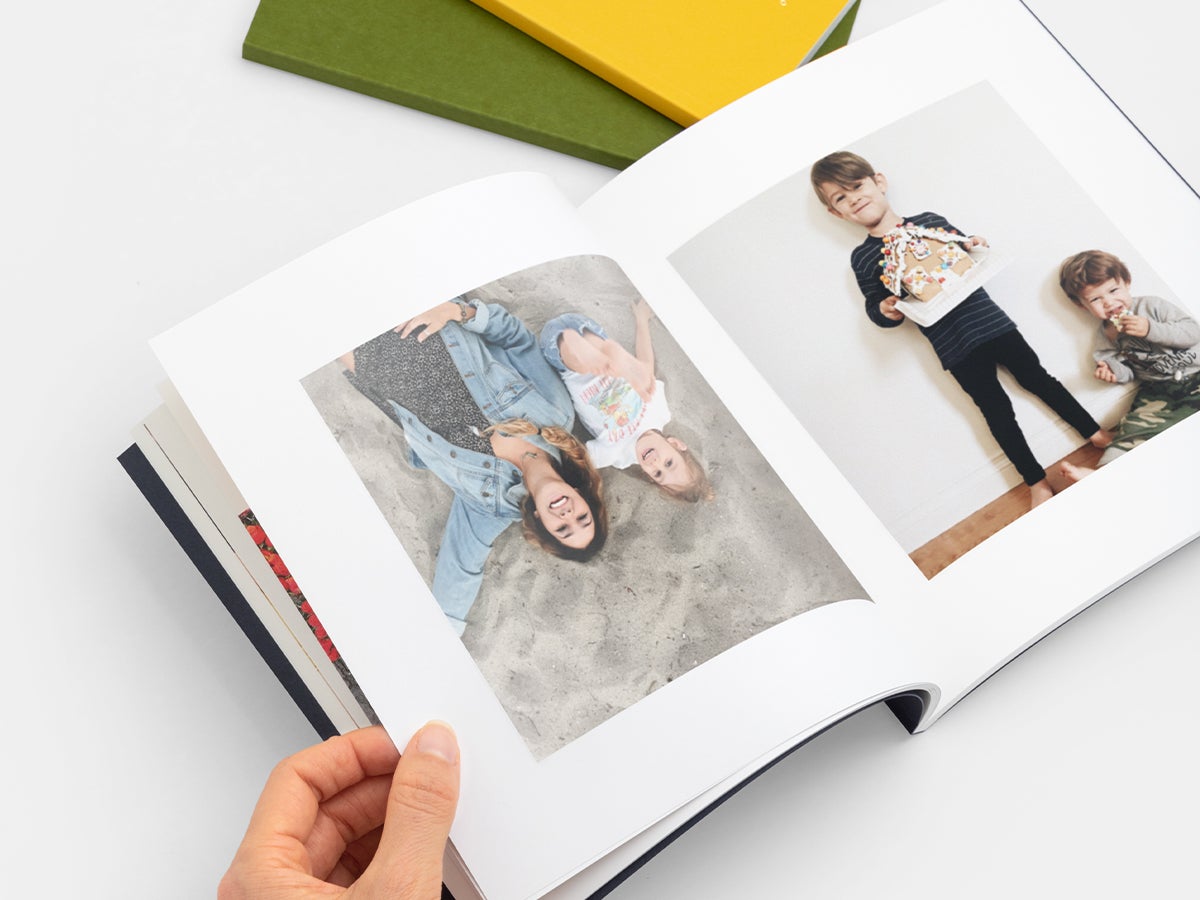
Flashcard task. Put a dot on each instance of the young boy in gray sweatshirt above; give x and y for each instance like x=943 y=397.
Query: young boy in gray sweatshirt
x=1146 y=339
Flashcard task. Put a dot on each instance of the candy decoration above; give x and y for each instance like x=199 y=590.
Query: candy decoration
x=909 y=243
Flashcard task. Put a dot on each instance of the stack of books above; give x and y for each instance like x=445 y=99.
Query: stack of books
x=606 y=94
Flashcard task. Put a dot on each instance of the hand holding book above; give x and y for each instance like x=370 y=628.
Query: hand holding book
x=321 y=819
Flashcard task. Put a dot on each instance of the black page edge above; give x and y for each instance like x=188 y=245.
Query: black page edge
x=134 y=461
x=913 y=704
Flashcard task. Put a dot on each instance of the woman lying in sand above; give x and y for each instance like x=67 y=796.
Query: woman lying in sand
x=484 y=412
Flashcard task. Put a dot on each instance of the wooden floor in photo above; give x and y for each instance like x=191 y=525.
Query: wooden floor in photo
x=976 y=528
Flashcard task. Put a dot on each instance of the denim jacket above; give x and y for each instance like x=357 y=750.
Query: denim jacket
x=507 y=375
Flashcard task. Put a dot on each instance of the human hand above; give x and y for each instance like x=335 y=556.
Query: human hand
x=642 y=311
x=976 y=240
x=888 y=309
x=1104 y=373
x=1134 y=326
x=352 y=818
x=434 y=320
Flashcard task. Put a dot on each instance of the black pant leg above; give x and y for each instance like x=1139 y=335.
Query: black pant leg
x=977 y=376
x=1015 y=354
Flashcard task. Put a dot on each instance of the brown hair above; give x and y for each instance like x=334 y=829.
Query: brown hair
x=575 y=469
x=842 y=168
x=1088 y=269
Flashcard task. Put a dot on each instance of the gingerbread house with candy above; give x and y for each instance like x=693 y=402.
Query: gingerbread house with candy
x=920 y=263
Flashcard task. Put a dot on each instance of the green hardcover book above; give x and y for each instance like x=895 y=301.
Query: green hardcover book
x=453 y=59
x=840 y=35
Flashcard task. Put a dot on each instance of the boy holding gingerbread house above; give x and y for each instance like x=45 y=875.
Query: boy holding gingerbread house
x=975 y=337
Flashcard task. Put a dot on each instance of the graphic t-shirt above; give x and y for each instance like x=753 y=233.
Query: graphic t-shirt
x=615 y=415
x=1169 y=352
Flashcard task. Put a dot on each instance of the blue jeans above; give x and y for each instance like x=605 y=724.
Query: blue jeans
x=554 y=329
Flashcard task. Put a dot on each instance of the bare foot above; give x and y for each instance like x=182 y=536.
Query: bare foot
x=1074 y=473
x=639 y=375
x=1039 y=493
x=1101 y=439
x=595 y=355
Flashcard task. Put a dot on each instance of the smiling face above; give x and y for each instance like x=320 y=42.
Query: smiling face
x=564 y=514
x=661 y=459
x=1106 y=300
x=863 y=202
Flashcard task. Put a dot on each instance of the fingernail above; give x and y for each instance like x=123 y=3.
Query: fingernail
x=438 y=738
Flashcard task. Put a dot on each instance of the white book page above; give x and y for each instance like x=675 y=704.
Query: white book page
x=973 y=111
x=532 y=813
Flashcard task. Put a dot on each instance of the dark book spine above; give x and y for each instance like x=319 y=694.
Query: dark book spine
x=147 y=481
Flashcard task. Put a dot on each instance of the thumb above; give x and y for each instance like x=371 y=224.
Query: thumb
x=420 y=808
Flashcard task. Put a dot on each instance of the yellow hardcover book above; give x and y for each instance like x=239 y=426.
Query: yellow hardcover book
x=684 y=58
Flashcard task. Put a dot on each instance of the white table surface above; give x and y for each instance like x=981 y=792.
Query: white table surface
x=148 y=171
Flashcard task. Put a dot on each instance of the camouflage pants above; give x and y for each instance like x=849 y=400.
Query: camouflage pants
x=1157 y=406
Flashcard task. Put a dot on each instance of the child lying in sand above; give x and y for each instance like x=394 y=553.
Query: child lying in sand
x=621 y=403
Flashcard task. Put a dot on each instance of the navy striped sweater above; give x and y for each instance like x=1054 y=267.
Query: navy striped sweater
x=973 y=322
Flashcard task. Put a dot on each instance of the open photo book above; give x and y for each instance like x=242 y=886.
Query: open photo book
x=644 y=494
